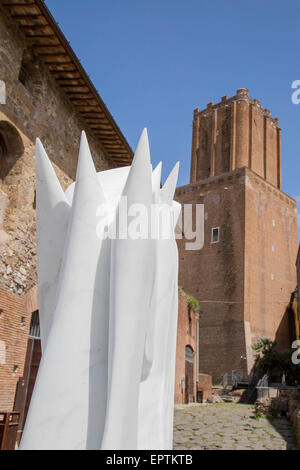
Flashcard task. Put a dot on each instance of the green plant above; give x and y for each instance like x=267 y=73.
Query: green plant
x=193 y=303
x=275 y=363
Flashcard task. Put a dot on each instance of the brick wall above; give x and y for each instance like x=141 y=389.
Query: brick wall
x=186 y=336
x=270 y=256
x=244 y=282
x=14 y=327
x=215 y=274
x=234 y=133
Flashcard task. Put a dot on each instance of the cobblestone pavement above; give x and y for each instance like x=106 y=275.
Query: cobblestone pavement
x=229 y=426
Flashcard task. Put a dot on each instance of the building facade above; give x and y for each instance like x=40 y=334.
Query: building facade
x=187 y=365
x=245 y=273
x=45 y=93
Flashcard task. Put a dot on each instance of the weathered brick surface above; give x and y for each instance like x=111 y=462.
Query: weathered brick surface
x=234 y=133
x=243 y=282
x=205 y=385
x=186 y=336
x=270 y=254
x=37 y=109
x=14 y=326
x=215 y=274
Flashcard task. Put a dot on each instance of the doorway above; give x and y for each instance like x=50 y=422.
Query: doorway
x=189 y=375
x=26 y=383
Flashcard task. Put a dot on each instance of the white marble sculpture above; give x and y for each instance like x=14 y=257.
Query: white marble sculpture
x=108 y=311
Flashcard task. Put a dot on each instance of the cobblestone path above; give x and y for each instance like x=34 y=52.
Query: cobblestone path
x=229 y=426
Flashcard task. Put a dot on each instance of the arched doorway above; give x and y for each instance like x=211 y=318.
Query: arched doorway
x=189 y=374
x=2 y=155
x=11 y=147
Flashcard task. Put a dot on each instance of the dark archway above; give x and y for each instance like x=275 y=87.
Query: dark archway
x=3 y=155
x=189 y=374
x=11 y=147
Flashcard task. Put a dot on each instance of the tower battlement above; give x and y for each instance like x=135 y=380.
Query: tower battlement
x=234 y=133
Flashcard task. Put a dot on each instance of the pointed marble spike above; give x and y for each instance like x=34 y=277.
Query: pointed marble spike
x=52 y=217
x=46 y=176
x=86 y=172
x=142 y=149
x=85 y=166
x=168 y=190
x=132 y=264
x=138 y=186
x=72 y=378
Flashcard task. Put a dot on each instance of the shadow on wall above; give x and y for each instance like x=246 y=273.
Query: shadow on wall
x=12 y=147
x=285 y=333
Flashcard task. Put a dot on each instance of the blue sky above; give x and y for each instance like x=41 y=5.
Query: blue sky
x=154 y=61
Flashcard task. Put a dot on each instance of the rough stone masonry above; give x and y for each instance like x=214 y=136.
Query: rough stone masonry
x=33 y=103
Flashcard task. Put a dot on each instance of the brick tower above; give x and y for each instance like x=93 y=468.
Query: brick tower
x=245 y=273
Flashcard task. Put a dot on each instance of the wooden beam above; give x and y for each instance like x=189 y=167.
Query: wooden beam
x=74 y=70
x=99 y=127
x=103 y=122
x=99 y=121
x=56 y=62
x=34 y=26
x=37 y=38
x=19 y=5
x=108 y=134
x=74 y=93
x=79 y=96
x=52 y=56
x=120 y=152
x=111 y=142
x=87 y=105
x=68 y=79
x=35 y=16
x=75 y=99
x=125 y=161
x=121 y=158
x=92 y=113
x=46 y=46
x=73 y=85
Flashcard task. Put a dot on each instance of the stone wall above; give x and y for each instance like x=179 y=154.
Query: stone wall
x=35 y=108
x=14 y=325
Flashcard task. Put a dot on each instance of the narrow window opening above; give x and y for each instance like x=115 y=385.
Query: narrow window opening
x=34 y=330
x=190 y=322
x=215 y=235
x=23 y=74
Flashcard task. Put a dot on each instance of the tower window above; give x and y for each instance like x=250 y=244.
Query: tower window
x=215 y=235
